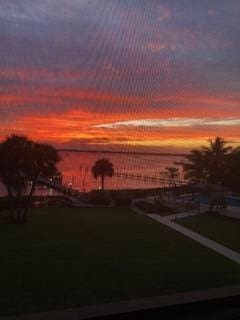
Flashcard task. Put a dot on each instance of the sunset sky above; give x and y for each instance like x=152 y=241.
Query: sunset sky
x=102 y=74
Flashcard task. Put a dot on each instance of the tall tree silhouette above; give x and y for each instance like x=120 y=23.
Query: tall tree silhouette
x=232 y=178
x=172 y=174
x=209 y=164
x=216 y=155
x=102 y=168
x=195 y=167
x=23 y=161
x=41 y=162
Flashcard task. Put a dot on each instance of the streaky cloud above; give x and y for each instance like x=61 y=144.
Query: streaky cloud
x=174 y=122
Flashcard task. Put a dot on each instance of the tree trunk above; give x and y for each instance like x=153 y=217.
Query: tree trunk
x=102 y=183
x=10 y=203
x=18 y=208
x=29 y=198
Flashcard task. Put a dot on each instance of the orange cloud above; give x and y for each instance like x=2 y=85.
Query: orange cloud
x=87 y=108
x=78 y=126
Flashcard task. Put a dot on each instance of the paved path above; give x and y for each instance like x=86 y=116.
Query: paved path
x=182 y=215
x=232 y=255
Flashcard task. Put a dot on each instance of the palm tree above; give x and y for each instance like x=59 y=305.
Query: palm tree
x=218 y=147
x=209 y=164
x=195 y=167
x=172 y=174
x=102 y=168
x=232 y=178
x=216 y=157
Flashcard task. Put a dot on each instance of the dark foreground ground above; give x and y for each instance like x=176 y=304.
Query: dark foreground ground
x=66 y=258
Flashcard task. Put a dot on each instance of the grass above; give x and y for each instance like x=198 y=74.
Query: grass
x=223 y=230
x=73 y=257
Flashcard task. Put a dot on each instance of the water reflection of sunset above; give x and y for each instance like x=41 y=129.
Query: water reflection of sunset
x=76 y=169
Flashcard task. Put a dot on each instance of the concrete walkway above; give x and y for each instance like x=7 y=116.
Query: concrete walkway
x=182 y=215
x=230 y=254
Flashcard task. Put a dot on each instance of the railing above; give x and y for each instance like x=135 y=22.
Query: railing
x=73 y=192
x=70 y=190
x=144 y=178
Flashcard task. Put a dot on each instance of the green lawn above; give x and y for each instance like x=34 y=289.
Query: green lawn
x=75 y=257
x=224 y=230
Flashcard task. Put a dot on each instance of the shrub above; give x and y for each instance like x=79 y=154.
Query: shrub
x=145 y=206
x=3 y=204
x=212 y=213
x=123 y=201
x=99 y=198
x=158 y=207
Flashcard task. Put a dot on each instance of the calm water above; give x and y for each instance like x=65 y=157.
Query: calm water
x=76 y=170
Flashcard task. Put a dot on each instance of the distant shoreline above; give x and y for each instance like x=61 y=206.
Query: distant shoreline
x=126 y=152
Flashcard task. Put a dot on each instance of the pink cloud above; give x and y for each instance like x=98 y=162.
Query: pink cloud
x=165 y=13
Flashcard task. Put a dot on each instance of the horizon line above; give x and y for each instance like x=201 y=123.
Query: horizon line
x=124 y=152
